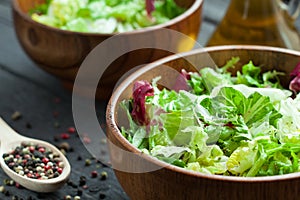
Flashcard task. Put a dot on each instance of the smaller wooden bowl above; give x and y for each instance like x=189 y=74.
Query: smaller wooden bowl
x=146 y=178
x=61 y=52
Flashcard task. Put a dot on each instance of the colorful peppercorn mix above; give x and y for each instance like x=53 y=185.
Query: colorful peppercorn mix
x=34 y=161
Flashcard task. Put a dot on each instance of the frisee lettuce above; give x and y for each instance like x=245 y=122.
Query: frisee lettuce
x=242 y=124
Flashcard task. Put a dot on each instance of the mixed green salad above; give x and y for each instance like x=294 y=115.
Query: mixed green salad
x=215 y=122
x=105 y=16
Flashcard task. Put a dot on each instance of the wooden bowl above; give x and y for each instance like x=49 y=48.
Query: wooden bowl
x=144 y=177
x=61 y=52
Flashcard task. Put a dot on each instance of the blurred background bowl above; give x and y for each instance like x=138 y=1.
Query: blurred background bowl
x=144 y=177
x=61 y=52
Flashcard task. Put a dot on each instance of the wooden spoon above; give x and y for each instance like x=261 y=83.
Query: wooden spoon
x=10 y=140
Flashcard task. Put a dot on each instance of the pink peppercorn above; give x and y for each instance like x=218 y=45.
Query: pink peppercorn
x=18 y=185
x=26 y=156
x=47 y=167
x=31 y=149
x=85 y=187
x=45 y=160
x=41 y=149
x=71 y=130
x=59 y=170
x=94 y=174
x=86 y=139
x=37 y=175
x=65 y=136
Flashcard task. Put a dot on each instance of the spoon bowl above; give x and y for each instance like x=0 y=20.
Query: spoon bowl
x=10 y=139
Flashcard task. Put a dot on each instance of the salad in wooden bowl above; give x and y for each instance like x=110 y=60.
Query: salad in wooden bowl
x=58 y=35
x=214 y=123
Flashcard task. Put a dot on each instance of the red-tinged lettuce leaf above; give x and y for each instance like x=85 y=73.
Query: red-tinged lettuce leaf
x=150 y=7
x=181 y=81
x=295 y=84
x=296 y=71
x=141 y=90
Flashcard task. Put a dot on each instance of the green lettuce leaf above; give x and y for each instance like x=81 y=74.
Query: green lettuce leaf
x=242 y=159
x=253 y=108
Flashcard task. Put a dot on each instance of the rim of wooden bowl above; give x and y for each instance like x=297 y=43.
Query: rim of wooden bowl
x=194 y=7
x=112 y=105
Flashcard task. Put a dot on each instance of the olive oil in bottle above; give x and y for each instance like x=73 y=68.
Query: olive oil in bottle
x=258 y=22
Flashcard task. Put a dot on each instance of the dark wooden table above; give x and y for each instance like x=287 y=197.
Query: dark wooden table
x=46 y=111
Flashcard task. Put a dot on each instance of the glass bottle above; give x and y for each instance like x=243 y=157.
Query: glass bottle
x=259 y=22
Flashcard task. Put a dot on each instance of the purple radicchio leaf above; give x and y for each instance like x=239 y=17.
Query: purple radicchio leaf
x=150 y=7
x=181 y=81
x=295 y=82
x=295 y=71
x=141 y=90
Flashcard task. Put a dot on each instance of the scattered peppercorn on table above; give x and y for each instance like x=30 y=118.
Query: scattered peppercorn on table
x=36 y=105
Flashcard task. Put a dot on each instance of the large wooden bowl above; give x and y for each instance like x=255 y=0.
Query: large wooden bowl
x=146 y=178
x=61 y=52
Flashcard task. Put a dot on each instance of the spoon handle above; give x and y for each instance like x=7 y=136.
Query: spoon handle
x=7 y=134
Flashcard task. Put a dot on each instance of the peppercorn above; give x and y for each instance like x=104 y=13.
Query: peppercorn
x=64 y=135
x=28 y=125
x=34 y=161
x=2 y=189
x=71 y=149
x=85 y=187
x=104 y=175
x=56 y=138
x=79 y=192
x=87 y=162
x=94 y=174
x=72 y=184
x=68 y=197
x=82 y=180
x=6 y=193
x=8 y=182
x=18 y=186
x=71 y=130
x=86 y=139
x=102 y=196
x=16 y=115
x=64 y=145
